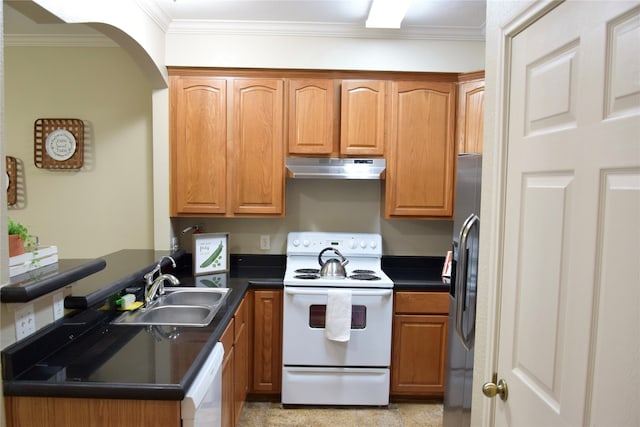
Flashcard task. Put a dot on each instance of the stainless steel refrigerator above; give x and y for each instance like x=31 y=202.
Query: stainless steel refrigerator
x=462 y=308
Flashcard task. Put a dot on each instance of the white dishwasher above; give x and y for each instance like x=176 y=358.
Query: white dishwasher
x=202 y=404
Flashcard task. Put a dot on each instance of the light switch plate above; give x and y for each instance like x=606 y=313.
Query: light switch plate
x=25 y=321
x=265 y=242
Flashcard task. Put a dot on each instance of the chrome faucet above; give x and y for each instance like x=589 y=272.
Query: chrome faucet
x=155 y=284
x=157 y=287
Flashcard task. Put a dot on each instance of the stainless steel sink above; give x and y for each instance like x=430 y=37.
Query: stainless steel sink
x=177 y=314
x=179 y=307
x=193 y=296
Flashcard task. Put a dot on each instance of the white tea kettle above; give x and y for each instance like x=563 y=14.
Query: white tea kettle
x=332 y=268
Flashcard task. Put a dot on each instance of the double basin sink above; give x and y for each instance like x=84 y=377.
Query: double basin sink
x=179 y=306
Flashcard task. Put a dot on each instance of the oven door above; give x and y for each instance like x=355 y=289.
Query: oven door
x=304 y=341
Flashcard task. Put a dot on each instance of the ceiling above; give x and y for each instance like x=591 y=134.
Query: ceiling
x=443 y=19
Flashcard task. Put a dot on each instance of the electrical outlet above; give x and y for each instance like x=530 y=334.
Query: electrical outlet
x=265 y=242
x=58 y=306
x=25 y=321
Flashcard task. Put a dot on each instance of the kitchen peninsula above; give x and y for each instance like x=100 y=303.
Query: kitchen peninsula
x=65 y=367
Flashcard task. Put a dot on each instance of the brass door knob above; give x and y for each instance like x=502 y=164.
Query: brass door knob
x=491 y=389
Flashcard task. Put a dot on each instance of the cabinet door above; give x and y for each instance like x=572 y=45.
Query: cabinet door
x=470 y=116
x=267 y=342
x=198 y=145
x=418 y=357
x=362 y=127
x=257 y=147
x=420 y=160
x=311 y=116
x=241 y=358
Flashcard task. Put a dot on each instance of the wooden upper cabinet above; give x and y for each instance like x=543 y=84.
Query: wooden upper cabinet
x=227 y=146
x=362 y=127
x=199 y=145
x=312 y=114
x=257 y=147
x=470 y=125
x=421 y=153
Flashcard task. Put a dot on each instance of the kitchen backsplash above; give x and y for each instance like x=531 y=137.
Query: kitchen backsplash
x=327 y=205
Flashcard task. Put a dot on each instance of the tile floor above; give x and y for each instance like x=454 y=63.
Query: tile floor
x=270 y=414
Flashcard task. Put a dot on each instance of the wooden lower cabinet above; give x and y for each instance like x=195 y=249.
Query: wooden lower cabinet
x=240 y=358
x=267 y=342
x=419 y=344
x=235 y=365
x=24 y=411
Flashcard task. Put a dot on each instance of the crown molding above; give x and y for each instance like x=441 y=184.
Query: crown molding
x=314 y=29
x=155 y=13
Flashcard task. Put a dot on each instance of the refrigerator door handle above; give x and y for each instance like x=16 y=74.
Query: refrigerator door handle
x=461 y=277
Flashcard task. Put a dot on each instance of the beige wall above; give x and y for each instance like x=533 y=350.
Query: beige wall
x=107 y=205
x=328 y=205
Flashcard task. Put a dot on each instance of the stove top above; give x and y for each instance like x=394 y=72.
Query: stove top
x=362 y=250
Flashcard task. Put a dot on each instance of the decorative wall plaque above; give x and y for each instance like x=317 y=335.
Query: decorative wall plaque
x=58 y=143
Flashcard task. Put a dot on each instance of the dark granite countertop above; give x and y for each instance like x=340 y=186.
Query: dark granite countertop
x=84 y=355
x=415 y=273
x=33 y=284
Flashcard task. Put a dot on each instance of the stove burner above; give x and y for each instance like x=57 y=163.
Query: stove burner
x=364 y=276
x=308 y=271
x=306 y=276
x=363 y=272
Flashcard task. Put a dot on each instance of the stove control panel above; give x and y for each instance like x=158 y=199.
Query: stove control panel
x=364 y=244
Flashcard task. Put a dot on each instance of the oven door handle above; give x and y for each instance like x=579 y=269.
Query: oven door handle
x=354 y=292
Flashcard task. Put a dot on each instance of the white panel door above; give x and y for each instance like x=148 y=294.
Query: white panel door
x=569 y=341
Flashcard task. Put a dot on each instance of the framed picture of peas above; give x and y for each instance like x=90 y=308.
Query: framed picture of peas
x=210 y=253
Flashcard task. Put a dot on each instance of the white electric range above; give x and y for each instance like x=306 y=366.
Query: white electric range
x=317 y=369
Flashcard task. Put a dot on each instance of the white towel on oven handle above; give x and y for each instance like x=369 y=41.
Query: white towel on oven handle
x=337 y=321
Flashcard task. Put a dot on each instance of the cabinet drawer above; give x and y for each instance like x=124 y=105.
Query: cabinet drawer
x=421 y=302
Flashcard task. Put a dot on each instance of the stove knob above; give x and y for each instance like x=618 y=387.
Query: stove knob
x=363 y=244
x=373 y=244
x=352 y=244
x=305 y=243
x=296 y=243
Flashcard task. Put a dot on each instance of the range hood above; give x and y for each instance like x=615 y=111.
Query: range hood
x=335 y=168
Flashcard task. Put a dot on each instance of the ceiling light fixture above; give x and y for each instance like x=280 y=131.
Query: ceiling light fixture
x=387 y=13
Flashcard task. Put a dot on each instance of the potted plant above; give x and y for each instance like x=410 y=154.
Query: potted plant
x=19 y=237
